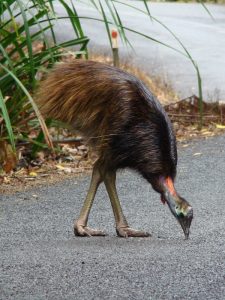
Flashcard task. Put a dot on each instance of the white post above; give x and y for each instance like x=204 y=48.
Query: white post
x=115 y=47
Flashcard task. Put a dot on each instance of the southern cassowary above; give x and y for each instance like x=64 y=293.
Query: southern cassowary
x=125 y=125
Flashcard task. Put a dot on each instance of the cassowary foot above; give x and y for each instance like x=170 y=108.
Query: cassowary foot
x=82 y=230
x=129 y=232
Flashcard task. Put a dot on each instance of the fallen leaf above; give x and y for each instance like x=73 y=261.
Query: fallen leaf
x=6 y=180
x=8 y=158
x=220 y=126
x=64 y=169
x=60 y=167
x=197 y=153
x=33 y=174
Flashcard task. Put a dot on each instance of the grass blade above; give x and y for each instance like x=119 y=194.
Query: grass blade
x=79 y=27
x=38 y=114
x=5 y=116
x=6 y=57
x=73 y=21
x=28 y=39
x=106 y=23
x=206 y=8
x=147 y=9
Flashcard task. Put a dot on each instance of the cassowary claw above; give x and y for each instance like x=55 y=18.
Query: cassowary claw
x=126 y=232
x=81 y=230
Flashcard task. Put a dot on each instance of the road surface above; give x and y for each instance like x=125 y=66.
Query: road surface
x=42 y=259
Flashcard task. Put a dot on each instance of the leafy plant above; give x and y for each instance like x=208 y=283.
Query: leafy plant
x=25 y=53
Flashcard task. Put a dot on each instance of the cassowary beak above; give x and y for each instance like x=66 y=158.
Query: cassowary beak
x=185 y=222
x=179 y=207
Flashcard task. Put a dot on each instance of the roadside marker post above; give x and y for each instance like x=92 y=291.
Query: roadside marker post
x=115 y=47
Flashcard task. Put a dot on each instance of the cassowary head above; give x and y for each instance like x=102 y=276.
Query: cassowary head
x=179 y=207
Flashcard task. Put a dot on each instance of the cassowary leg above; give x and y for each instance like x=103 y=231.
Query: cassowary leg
x=80 y=226
x=122 y=227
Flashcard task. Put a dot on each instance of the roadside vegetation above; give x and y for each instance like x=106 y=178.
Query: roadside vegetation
x=28 y=48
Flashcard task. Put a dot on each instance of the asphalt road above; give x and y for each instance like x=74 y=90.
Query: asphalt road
x=40 y=258
x=202 y=36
